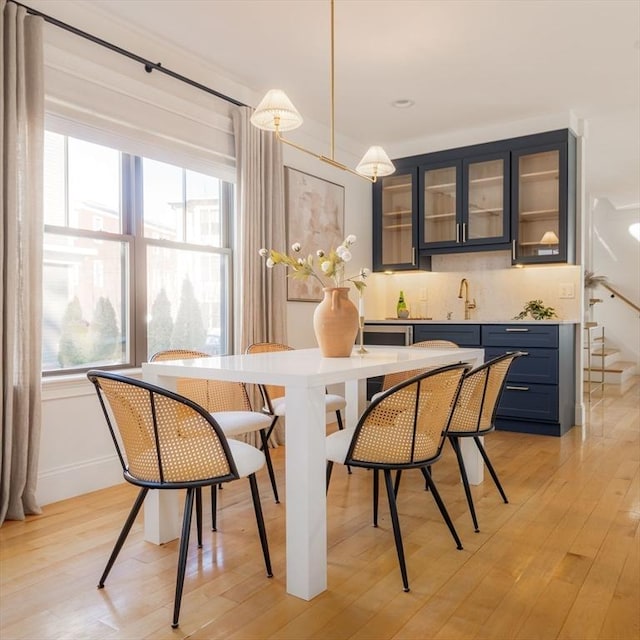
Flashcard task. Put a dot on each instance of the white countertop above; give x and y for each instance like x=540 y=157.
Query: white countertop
x=459 y=321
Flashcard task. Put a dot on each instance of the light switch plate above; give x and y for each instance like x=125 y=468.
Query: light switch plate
x=567 y=290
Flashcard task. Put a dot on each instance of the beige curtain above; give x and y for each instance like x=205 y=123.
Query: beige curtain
x=261 y=223
x=260 y=195
x=22 y=106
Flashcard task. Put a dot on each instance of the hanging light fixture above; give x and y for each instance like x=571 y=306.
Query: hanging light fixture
x=276 y=113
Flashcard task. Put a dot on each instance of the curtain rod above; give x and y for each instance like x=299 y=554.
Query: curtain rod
x=148 y=65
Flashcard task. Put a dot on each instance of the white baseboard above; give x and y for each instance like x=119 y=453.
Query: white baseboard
x=74 y=480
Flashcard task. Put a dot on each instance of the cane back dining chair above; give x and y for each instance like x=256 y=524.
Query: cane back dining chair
x=474 y=415
x=229 y=404
x=273 y=395
x=404 y=428
x=392 y=379
x=165 y=441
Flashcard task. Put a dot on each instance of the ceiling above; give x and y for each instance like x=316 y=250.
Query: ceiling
x=466 y=64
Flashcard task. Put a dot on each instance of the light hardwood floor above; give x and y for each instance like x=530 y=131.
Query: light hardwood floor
x=561 y=560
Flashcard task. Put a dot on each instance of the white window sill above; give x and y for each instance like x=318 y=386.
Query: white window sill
x=75 y=385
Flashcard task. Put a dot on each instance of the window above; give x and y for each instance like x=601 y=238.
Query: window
x=136 y=257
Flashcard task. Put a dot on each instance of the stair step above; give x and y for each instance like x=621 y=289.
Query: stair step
x=617 y=373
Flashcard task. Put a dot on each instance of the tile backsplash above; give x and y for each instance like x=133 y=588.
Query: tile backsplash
x=500 y=290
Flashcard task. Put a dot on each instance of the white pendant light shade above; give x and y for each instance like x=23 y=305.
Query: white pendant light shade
x=375 y=163
x=549 y=237
x=276 y=108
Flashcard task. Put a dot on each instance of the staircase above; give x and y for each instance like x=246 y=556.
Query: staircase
x=603 y=364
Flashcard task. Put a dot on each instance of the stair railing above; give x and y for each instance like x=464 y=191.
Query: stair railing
x=617 y=294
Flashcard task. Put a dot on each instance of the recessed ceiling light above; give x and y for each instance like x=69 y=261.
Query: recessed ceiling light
x=404 y=103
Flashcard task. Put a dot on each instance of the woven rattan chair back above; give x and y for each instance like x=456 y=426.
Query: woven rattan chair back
x=213 y=395
x=479 y=395
x=162 y=438
x=406 y=426
x=269 y=391
x=392 y=379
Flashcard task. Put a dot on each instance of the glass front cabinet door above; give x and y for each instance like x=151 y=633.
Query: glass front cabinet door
x=465 y=203
x=542 y=200
x=485 y=199
x=394 y=224
x=441 y=194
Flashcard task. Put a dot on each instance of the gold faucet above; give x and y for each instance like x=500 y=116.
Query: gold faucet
x=468 y=305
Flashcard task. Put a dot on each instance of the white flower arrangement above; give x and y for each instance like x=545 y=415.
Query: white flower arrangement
x=322 y=266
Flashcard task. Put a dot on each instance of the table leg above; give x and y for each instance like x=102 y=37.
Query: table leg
x=161 y=508
x=355 y=392
x=306 y=518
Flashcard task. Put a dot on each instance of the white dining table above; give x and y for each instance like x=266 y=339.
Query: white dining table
x=304 y=374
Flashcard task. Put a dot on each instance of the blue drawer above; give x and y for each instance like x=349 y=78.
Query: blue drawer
x=520 y=335
x=536 y=402
x=536 y=366
x=464 y=335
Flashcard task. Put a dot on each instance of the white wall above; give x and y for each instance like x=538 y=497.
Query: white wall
x=615 y=253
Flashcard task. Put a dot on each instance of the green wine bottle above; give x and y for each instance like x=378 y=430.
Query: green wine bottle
x=401 y=307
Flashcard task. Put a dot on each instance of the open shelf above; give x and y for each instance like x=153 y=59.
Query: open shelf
x=444 y=185
x=539 y=175
x=396 y=213
x=395 y=187
x=397 y=227
x=433 y=216
x=493 y=212
x=538 y=214
x=487 y=180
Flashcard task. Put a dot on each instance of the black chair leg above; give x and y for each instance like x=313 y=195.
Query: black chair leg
x=443 y=510
x=123 y=534
x=267 y=455
x=214 y=507
x=260 y=520
x=329 y=470
x=199 y=515
x=182 y=554
x=494 y=475
x=455 y=443
x=341 y=427
x=396 y=528
x=376 y=482
x=396 y=484
x=426 y=484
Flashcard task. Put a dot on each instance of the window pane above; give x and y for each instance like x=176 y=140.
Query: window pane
x=203 y=209
x=163 y=201
x=94 y=186
x=85 y=303
x=54 y=179
x=187 y=300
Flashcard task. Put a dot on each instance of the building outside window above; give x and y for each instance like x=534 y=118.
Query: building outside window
x=137 y=257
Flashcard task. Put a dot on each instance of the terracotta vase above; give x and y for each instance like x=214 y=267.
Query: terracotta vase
x=335 y=322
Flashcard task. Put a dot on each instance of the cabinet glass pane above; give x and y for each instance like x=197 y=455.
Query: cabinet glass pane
x=440 y=205
x=397 y=219
x=486 y=200
x=538 y=204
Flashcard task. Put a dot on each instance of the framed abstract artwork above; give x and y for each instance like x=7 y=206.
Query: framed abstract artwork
x=315 y=218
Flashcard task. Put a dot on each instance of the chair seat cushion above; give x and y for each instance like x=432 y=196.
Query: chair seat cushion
x=248 y=459
x=332 y=403
x=234 y=423
x=337 y=445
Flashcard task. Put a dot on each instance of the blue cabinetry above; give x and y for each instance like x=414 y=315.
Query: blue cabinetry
x=539 y=394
